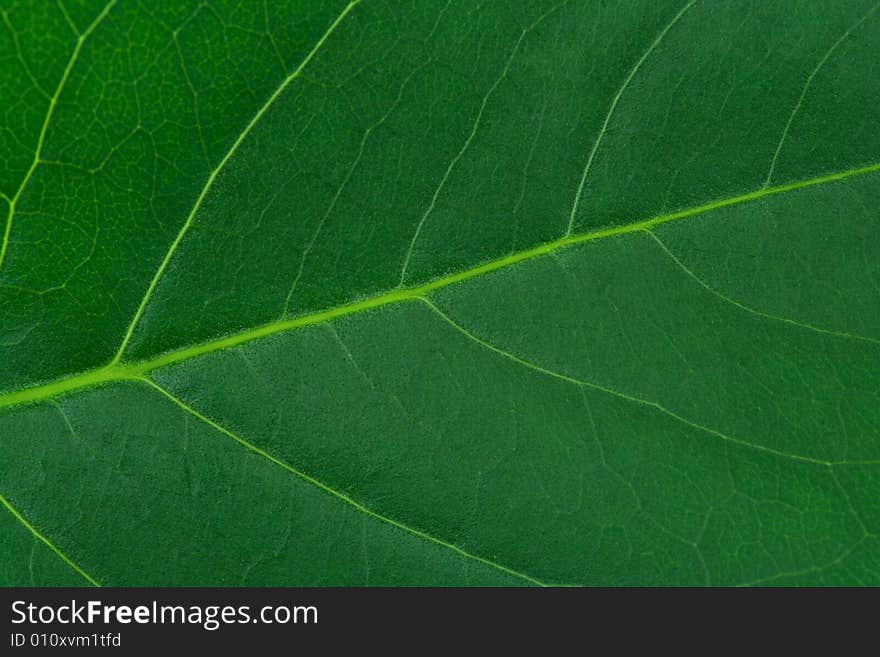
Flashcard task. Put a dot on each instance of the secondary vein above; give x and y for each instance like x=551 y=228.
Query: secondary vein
x=332 y=491
x=807 y=84
x=614 y=101
x=209 y=183
x=616 y=393
x=43 y=539
x=752 y=311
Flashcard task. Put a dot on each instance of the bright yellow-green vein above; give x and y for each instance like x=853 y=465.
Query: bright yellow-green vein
x=120 y=370
x=42 y=538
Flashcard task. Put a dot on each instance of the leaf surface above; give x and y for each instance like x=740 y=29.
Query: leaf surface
x=451 y=294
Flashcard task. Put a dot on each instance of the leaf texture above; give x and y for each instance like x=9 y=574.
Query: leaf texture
x=379 y=293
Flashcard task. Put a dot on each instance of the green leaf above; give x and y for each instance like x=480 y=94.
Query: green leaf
x=317 y=293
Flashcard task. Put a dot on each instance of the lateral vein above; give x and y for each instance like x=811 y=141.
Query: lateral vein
x=807 y=84
x=613 y=106
x=332 y=491
x=209 y=183
x=43 y=539
x=753 y=311
x=616 y=393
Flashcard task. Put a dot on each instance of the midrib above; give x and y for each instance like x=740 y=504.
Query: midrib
x=122 y=371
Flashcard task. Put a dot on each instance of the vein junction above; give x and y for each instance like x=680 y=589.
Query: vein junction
x=122 y=370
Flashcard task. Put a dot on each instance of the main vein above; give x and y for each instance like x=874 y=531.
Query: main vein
x=118 y=370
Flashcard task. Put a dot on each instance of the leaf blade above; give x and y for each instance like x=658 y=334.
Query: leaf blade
x=215 y=364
